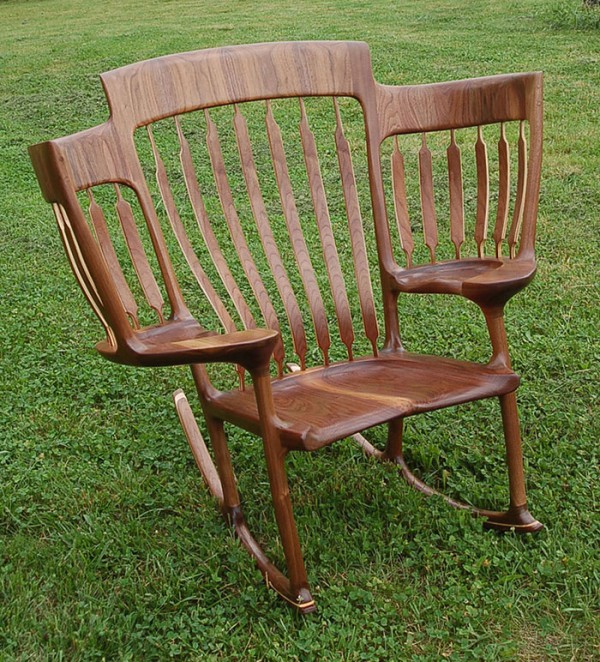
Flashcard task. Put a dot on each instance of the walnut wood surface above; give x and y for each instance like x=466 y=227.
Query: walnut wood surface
x=319 y=406
x=401 y=203
x=427 y=198
x=503 y=190
x=483 y=192
x=456 y=193
x=312 y=406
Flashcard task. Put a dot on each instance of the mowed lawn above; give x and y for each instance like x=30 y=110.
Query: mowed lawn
x=110 y=546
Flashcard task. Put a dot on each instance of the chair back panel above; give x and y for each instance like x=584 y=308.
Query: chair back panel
x=458 y=180
x=257 y=203
x=247 y=174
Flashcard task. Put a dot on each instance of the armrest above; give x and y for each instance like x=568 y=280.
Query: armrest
x=486 y=281
x=182 y=344
x=497 y=286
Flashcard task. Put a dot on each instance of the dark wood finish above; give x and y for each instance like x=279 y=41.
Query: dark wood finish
x=456 y=193
x=310 y=407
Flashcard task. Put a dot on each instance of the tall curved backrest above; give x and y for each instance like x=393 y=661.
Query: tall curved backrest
x=142 y=94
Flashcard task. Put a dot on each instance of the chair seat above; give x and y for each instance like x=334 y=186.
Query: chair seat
x=319 y=406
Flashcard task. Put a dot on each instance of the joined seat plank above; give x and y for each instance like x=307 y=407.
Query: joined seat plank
x=316 y=407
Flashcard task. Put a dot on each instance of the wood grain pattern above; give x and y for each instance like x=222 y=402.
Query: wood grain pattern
x=318 y=407
x=483 y=192
x=357 y=237
x=235 y=227
x=185 y=244
x=311 y=407
x=455 y=187
x=290 y=212
x=503 y=190
x=427 y=198
x=267 y=238
x=218 y=259
x=112 y=262
x=80 y=269
x=401 y=203
x=330 y=254
x=138 y=255
x=515 y=228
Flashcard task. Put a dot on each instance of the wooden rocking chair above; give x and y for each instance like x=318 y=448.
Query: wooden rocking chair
x=148 y=213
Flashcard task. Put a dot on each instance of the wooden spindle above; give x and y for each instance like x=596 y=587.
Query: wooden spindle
x=138 y=255
x=184 y=242
x=503 y=190
x=267 y=238
x=357 y=237
x=515 y=228
x=456 y=193
x=112 y=261
x=292 y=220
x=80 y=269
x=195 y=196
x=330 y=254
x=401 y=203
x=427 y=199
x=483 y=192
x=233 y=223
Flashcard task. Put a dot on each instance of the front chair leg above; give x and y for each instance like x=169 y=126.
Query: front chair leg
x=517 y=516
x=297 y=591
x=222 y=485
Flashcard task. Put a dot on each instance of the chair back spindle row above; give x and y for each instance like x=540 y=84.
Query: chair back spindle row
x=429 y=198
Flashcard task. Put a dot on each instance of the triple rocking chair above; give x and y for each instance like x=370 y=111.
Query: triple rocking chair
x=279 y=234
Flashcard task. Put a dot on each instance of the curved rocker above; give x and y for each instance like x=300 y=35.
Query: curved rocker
x=517 y=518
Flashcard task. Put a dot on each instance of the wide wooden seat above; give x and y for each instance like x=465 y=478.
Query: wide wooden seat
x=265 y=206
x=316 y=407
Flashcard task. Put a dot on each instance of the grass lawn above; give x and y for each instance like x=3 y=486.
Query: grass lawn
x=110 y=546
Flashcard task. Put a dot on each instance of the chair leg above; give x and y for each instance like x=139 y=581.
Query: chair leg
x=517 y=516
x=298 y=592
x=222 y=484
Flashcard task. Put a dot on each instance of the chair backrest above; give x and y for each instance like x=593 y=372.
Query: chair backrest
x=254 y=172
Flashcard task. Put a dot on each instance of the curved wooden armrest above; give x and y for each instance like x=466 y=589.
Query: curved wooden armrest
x=486 y=281
x=497 y=286
x=175 y=343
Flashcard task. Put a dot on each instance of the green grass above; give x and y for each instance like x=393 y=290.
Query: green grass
x=110 y=546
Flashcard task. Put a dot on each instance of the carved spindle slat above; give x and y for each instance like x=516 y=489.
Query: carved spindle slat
x=288 y=205
x=267 y=238
x=515 y=228
x=184 y=242
x=401 y=203
x=357 y=237
x=235 y=227
x=80 y=270
x=483 y=192
x=330 y=254
x=112 y=261
x=138 y=255
x=455 y=186
x=427 y=199
x=503 y=191
x=193 y=189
